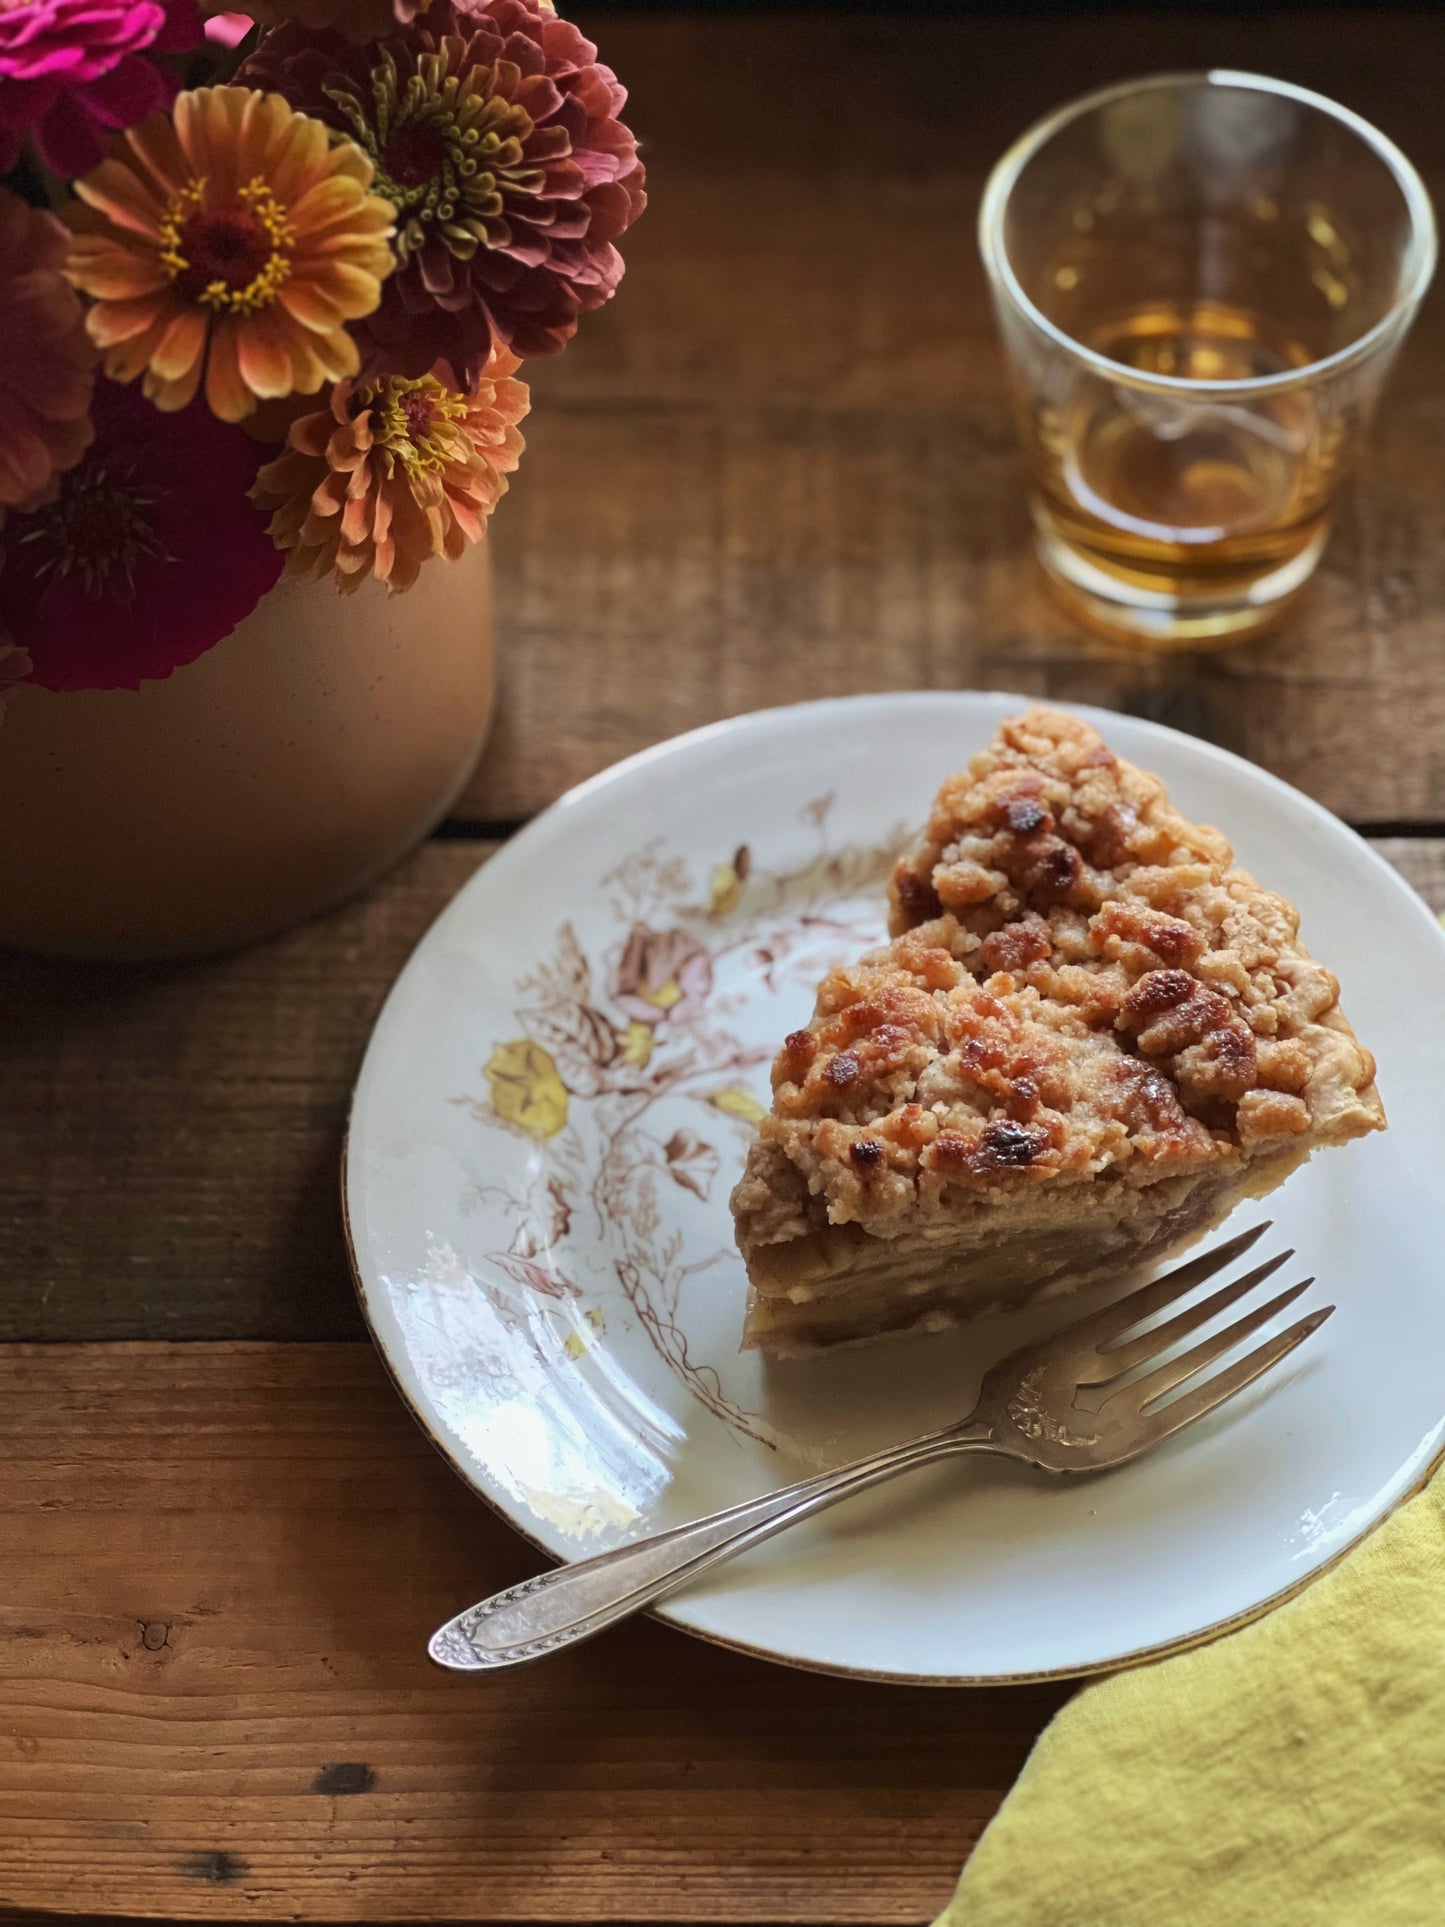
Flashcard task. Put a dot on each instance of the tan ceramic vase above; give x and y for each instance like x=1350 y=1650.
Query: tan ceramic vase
x=284 y=769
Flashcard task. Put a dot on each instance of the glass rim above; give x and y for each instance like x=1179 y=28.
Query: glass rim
x=1417 y=264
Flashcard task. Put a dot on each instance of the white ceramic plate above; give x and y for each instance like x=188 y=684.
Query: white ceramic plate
x=557 y=1101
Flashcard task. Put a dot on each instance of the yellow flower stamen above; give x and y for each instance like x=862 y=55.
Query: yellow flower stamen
x=445 y=146
x=177 y=214
x=182 y=239
x=417 y=422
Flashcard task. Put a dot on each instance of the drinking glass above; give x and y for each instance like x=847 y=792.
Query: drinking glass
x=1201 y=281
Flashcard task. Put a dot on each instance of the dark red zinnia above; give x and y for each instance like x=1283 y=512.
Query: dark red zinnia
x=149 y=555
x=495 y=134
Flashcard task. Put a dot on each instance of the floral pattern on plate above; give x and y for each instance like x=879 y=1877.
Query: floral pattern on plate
x=629 y=1076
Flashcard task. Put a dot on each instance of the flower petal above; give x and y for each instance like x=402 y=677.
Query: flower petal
x=26 y=463
x=123 y=197
x=130 y=91
x=353 y=292
x=161 y=161
x=306 y=303
x=182 y=348
x=127 y=358
x=302 y=157
x=226 y=393
x=69 y=139
x=173 y=395
x=112 y=322
x=108 y=271
x=262 y=355
x=307 y=369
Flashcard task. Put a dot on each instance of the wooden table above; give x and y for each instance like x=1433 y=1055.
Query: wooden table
x=779 y=467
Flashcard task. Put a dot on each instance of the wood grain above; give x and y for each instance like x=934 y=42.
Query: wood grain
x=1421 y=861
x=781 y=464
x=221 y=1566
x=169 y=1139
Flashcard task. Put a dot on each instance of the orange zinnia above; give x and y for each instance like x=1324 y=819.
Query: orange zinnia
x=392 y=472
x=229 y=235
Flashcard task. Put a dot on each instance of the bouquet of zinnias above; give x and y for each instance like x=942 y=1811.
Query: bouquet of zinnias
x=275 y=319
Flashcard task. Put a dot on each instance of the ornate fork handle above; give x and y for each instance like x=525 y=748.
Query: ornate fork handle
x=573 y=1602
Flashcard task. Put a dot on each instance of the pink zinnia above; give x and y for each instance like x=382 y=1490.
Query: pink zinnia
x=73 y=71
x=495 y=134
x=150 y=554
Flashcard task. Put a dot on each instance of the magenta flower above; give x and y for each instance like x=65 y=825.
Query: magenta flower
x=149 y=554
x=495 y=135
x=73 y=71
x=660 y=974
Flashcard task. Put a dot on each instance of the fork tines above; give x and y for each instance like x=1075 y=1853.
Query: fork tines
x=1115 y=1355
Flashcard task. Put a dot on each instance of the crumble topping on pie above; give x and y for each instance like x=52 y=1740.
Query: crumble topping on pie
x=1082 y=990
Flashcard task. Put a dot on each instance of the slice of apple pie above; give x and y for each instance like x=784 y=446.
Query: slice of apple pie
x=1091 y=1036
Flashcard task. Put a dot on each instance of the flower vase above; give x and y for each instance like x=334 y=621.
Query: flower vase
x=278 y=773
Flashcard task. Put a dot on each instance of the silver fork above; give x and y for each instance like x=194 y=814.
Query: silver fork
x=1059 y=1404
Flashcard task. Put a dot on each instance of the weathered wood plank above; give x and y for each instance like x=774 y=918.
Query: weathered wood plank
x=221 y=1565
x=1421 y=861
x=781 y=464
x=169 y=1138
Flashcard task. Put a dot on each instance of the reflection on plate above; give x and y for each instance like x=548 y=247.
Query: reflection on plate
x=556 y=1104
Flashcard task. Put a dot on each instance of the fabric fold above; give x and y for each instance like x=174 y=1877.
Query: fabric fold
x=1289 y=1775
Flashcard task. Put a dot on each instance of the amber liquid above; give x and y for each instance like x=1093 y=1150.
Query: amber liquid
x=1192 y=499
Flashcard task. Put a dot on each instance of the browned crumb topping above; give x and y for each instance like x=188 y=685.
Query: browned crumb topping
x=1080 y=981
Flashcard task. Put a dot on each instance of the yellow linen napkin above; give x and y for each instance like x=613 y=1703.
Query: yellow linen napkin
x=1289 y=1775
